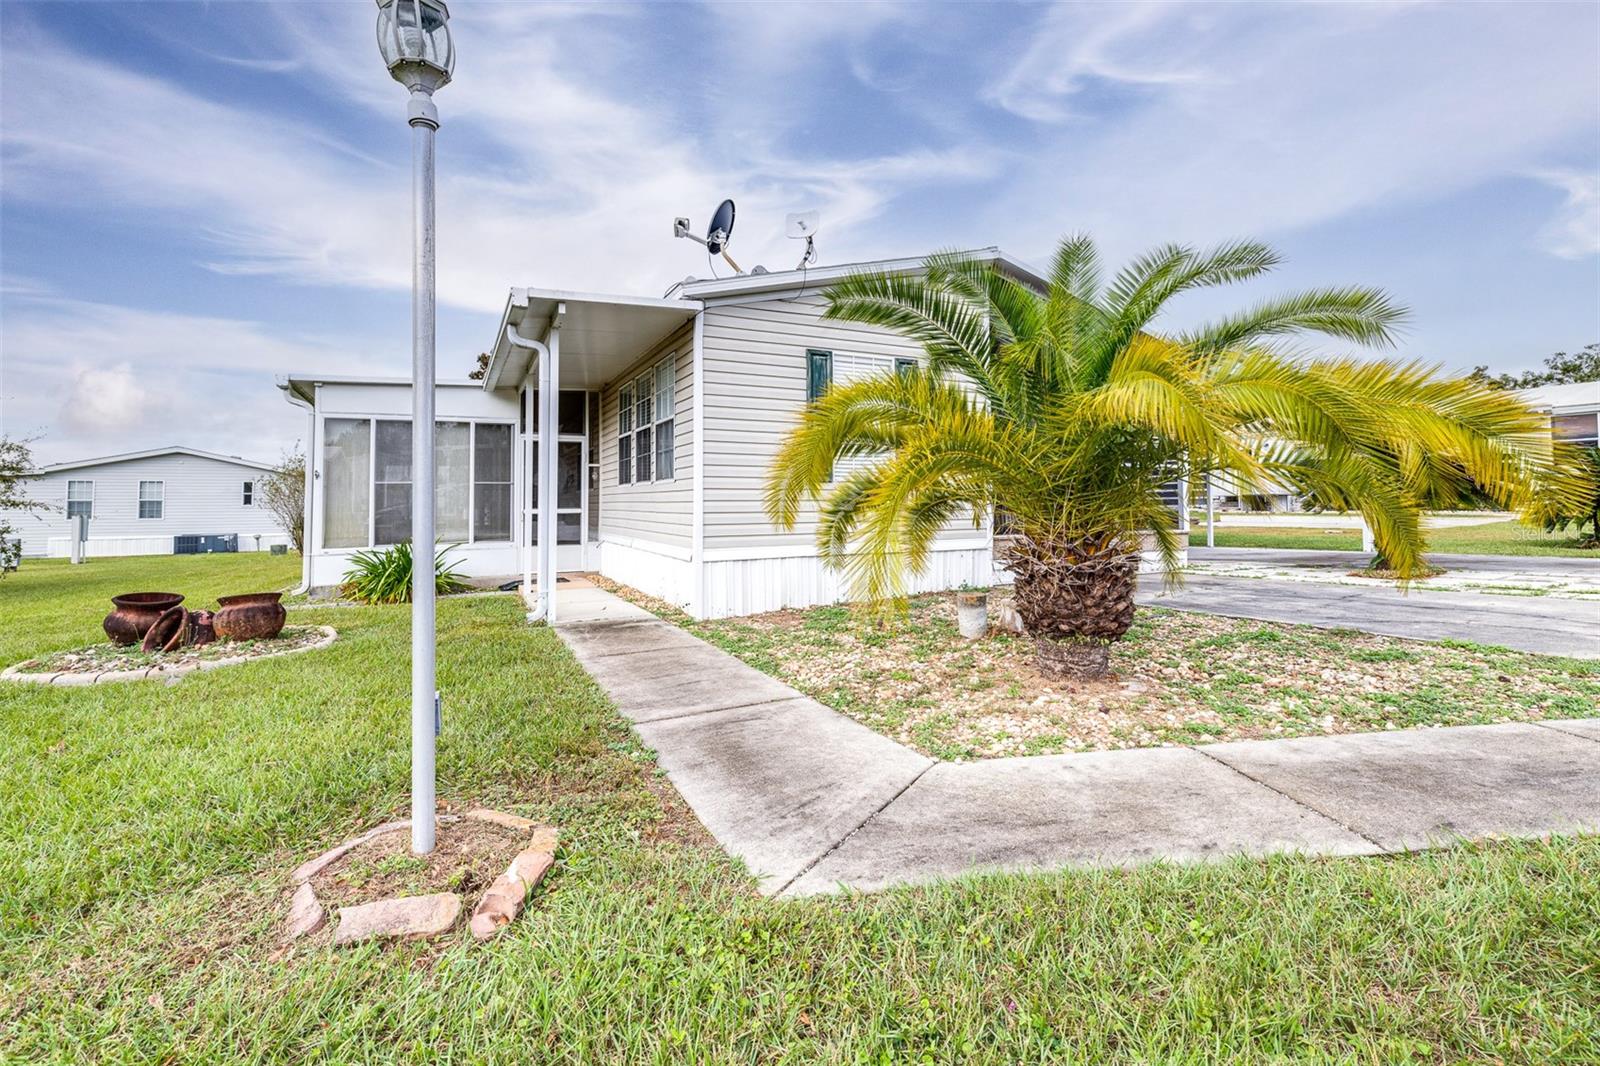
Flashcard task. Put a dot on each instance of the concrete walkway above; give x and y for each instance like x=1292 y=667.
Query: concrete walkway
x=1528 y=623
x=812 y=801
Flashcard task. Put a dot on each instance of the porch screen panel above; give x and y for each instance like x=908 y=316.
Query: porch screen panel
x=391 y=488
x=346 y=481
x=491 y=454
x=452 y=481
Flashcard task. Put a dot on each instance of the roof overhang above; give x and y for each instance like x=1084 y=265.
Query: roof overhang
x=601 y=336
x=746 y=285
x=303 y=387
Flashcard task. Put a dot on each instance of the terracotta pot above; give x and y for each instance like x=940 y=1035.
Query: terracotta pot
x=168 y=631
x=252 y=616
x=135 y=613
x=201 y=629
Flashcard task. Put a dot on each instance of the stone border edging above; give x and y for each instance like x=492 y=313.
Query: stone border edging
x=151 y=673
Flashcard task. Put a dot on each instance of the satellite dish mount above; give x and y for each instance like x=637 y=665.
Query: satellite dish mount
x=802 y=226
x=718 y=233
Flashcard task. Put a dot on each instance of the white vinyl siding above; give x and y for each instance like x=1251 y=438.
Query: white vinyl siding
x=756 y=372
x=152 y=499
x=659 y=510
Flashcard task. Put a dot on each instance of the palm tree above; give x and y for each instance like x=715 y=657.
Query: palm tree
x=1063 y=411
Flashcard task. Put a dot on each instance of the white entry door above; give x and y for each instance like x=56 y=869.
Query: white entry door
x=572 y=500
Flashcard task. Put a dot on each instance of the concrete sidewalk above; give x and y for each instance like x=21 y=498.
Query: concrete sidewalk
x=812 y=801
x=1528 y=623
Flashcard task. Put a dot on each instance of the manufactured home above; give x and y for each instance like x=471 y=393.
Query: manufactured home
x=154 y=502
x=666 y=415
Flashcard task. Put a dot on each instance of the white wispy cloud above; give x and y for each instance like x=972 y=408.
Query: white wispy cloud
x=1574 y=231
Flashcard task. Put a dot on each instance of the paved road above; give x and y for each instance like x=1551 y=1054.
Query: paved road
x=1528 y=623
x=812 y=801
x=1487 y=565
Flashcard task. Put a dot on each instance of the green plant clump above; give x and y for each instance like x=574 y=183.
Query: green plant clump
x=385 y=576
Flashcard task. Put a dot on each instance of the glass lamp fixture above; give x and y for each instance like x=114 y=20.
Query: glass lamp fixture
x=414 y=39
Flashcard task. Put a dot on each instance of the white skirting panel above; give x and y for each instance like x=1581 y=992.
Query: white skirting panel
x=102 y=547
x=751 y=586
x=666 y=577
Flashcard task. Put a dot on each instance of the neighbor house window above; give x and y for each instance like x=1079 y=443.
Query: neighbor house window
x=904 y=365
x=366 y=471
x=249 y=493
x=152 y=497
x=80 y=499
x=819 y=373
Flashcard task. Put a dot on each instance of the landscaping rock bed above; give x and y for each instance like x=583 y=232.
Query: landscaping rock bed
x=380 y=890
x=108 y=662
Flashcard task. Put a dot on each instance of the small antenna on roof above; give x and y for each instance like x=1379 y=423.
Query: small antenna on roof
x=802 y=226
x=718 y=233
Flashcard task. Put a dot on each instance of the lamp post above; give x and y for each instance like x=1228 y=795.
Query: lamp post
x=414 y=38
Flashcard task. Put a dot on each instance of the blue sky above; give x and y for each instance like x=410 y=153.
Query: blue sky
x=196 y=197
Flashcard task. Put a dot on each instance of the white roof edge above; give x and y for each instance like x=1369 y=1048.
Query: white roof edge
x=787 y=279
x=151 y=453
x=522 y=297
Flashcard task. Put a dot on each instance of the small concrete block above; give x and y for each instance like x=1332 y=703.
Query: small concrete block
x=306 y=913
x=406 y=918
x=502 y=819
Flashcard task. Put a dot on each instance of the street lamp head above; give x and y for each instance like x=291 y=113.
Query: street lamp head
x=414 y=38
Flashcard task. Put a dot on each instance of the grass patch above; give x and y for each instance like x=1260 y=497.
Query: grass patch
x=1491 y=538
x=147 y=833
x=1178 y=678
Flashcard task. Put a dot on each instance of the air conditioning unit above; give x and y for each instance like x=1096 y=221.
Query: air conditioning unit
x=204 y=544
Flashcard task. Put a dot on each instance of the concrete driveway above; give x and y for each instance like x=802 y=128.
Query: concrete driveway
x=1546 y=624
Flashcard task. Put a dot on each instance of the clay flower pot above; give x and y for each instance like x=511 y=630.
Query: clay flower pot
x=135 y=613
x=251 y=616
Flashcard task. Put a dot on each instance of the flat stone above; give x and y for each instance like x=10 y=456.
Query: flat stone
x=1420 y=787
x=1104 y=808
x=529 y=867
x=780 y=783
x=405 y=918
x=312 y=867
x=502 y=819
x=498 y=908
x=306 y=912
x=672 y=682
x=543 y=838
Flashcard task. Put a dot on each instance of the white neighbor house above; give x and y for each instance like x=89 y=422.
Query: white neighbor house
x=138 y=502
x=669 y=414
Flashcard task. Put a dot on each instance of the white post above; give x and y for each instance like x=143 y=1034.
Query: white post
x=1211 y=515
x=1369 y=543
x=549 y=448
x=424 y=120
x=80 y=533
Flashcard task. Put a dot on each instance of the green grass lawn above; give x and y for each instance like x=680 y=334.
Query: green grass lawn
x=1492 y=538
x=146 y=833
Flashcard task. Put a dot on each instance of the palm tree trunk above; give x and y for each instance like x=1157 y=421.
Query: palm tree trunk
x=1075 y=598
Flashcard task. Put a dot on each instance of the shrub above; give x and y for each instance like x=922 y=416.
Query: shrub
x=385 y=576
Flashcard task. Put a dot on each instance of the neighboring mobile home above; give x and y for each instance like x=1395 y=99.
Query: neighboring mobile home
x=139 y=502
x=668 y=414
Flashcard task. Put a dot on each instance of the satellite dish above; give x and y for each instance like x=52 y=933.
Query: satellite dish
x=721 y=228
x=800 y=225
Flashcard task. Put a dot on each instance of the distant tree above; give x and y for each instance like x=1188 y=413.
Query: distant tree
x=283 y=492
x=1559 y=369
x=479 y=371
x=16 y=468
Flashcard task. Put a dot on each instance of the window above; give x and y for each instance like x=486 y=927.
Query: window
x=346 y=482
x=819 y=373
x=904 y=365
x=152 y=497
x=645 y=439
x=80 y=499
x=367 y=485
x=249 y=493
x=491 y=482
x=625 y=435
x=665 y=408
